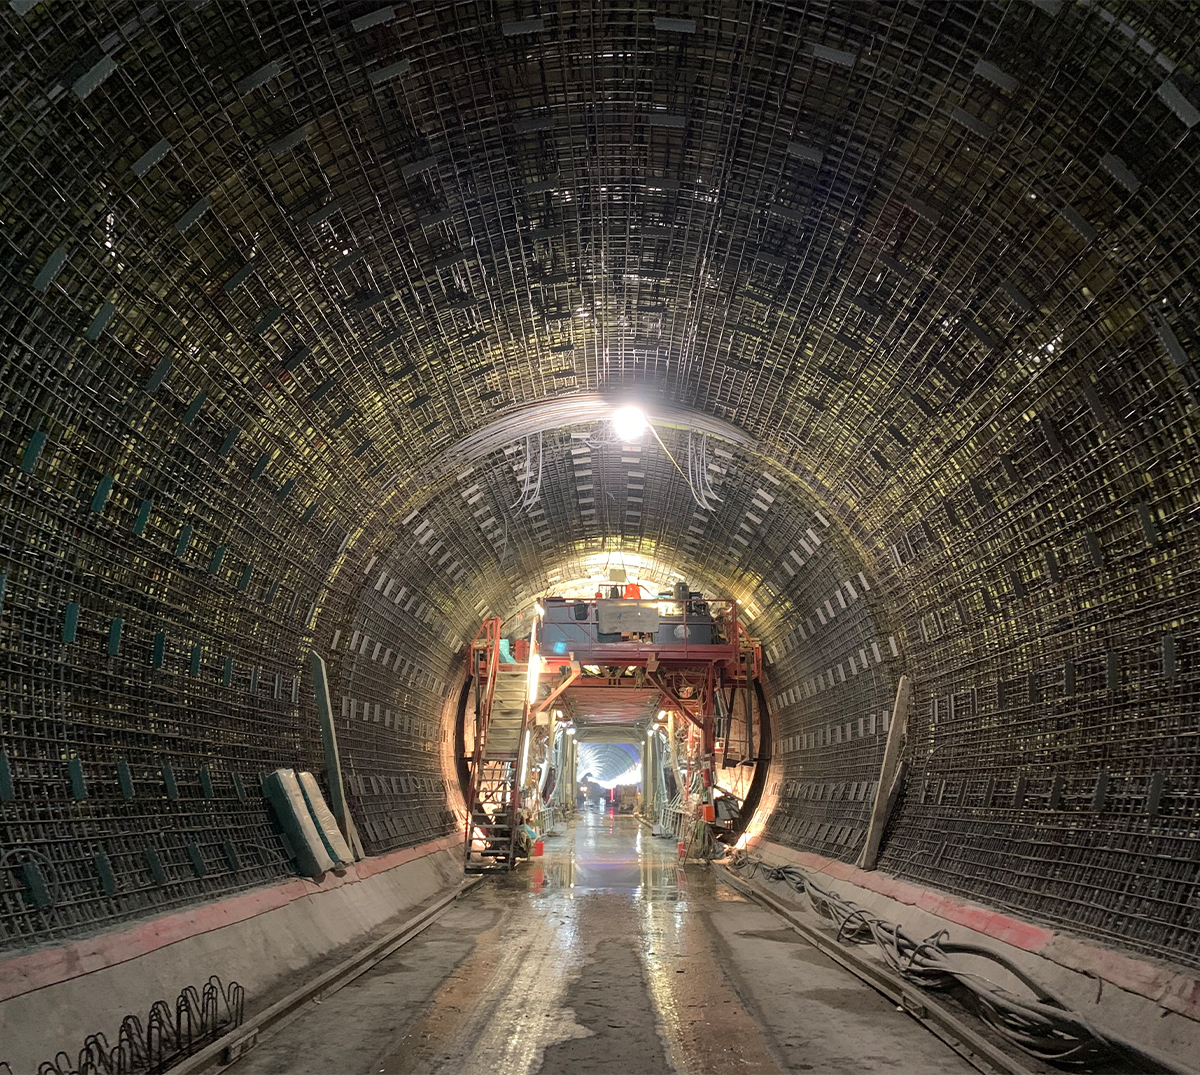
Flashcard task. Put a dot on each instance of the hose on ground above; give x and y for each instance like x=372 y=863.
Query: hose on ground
x=1044 y=1026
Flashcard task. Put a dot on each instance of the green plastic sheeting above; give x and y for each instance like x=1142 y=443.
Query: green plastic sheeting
x=282 y=790
x=331 y=835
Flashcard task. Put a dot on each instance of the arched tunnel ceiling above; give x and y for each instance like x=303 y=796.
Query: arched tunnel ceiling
x=285 y=282
x=835 y=227
x=606 y=761
x=566 y=500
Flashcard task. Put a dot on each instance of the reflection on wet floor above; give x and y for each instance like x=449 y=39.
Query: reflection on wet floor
x=546 y=990
x=601 y=857
x=604 y=957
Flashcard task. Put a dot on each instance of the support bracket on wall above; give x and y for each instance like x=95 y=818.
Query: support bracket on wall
x=544 y=704
x=884 y=799
x=333 y=765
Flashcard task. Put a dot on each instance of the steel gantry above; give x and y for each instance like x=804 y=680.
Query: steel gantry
x=689 y=657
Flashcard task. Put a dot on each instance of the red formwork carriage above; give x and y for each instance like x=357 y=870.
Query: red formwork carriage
x=681 y=646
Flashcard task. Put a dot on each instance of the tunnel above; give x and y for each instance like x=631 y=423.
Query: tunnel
x=347 y=344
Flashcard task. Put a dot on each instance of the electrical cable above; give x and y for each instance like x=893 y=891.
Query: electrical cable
x=692 y=470
x=531 y=488
x=696 y=474
x=693 y=473
x=1045 y=1027
x=698 y=469
x=683 y=474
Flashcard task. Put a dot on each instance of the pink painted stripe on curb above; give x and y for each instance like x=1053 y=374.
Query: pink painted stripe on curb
x=48 y=966
x=1172 y=987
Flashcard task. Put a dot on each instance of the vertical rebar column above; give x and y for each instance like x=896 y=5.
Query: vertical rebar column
x=887 y=774
x=333 y=765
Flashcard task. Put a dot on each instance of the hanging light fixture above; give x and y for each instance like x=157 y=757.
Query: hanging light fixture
x=629 y=423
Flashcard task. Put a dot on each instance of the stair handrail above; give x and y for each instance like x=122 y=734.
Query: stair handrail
x=748 y=645
x=491 y=629
x=522 y=750
x=487 y=640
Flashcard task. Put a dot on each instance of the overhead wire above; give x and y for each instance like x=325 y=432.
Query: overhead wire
x=707 y=497
x=531 y=488
x=675 y=463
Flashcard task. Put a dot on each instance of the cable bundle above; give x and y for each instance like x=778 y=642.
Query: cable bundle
x=1044 y=1026
x=531 y=484
x=697 y=475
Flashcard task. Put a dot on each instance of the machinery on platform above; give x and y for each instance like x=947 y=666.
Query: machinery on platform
x=680 y=653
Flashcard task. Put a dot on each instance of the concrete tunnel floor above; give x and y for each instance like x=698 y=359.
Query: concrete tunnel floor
x=604 y=956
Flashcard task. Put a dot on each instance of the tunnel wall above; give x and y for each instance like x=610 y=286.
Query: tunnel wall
x=959 y=339
x=1043 y=614
x=267 y=940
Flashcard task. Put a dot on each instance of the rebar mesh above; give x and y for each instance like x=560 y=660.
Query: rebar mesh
x=270 y=270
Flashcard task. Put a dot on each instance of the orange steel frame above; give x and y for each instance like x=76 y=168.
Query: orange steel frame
x=687 y=674
x=485 y=659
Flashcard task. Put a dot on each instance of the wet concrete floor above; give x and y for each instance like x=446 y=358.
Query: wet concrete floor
x=605 y=956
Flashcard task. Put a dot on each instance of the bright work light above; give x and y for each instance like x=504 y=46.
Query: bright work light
x=629 y=423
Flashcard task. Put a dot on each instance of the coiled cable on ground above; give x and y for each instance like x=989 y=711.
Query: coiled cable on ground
x=1044 y=1026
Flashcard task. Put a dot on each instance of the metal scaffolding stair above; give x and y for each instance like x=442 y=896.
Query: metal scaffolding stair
x=495 y=766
